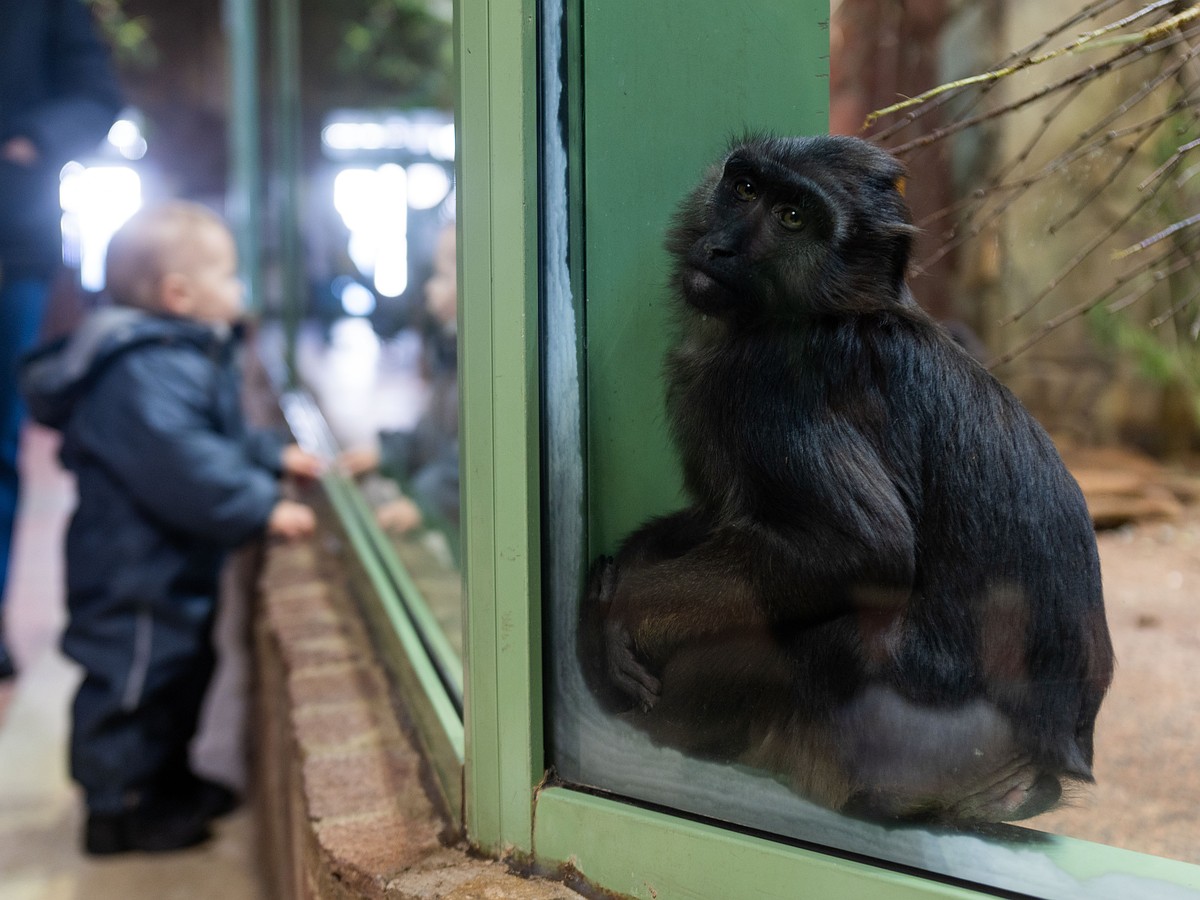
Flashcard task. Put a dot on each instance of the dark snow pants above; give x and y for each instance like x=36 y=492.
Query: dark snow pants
x=146 y=669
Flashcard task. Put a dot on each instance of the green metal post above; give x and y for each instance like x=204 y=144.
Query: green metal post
x=244 y=194
x=286 y=175
x=498 y=332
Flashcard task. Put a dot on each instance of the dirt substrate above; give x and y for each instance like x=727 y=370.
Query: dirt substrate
x=1147 y=795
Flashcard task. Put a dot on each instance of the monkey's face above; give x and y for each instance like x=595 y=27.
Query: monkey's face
x=789 y=227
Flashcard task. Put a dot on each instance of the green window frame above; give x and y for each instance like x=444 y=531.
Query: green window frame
x=492 y=761
x=512 y=806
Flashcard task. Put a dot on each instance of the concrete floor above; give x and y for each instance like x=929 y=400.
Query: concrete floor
x=40 y=810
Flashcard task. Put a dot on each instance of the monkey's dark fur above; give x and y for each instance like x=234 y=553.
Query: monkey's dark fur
x=886 y=588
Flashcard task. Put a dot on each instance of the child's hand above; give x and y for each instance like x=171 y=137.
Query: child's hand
x=358 y=462
x=398 y=516
x=301 y=463
x=291 y=520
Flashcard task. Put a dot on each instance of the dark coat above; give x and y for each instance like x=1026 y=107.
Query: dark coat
x=168 y=475
x=58 y=90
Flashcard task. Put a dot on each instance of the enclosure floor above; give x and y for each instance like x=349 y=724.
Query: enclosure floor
x=1147 y=789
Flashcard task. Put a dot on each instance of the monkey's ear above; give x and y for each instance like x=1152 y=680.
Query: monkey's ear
x=901 y=183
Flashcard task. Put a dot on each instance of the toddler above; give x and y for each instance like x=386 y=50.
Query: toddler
x=169 y=478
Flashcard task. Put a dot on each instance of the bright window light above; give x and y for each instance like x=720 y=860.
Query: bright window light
x=357 y=299
x=354 y=198
x=441 y=144
x=126 y=136
x=96 y=201
x=374 y=205
x=352 y=132
x=428 y=185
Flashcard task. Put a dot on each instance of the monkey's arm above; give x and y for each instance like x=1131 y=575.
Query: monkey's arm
x=660 y=592
x=849 y=550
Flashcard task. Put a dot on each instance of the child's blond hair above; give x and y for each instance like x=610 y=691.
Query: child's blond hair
x=155 y=242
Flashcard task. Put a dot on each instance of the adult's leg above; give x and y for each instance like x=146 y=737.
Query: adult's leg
x=22 y=304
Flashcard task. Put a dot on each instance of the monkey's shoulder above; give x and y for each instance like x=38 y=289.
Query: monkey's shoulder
x=898 y=349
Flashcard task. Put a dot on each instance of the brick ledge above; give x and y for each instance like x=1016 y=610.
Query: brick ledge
x=338 y=782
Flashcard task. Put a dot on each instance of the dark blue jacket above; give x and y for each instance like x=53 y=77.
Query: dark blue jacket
x=168 y=475
x=58 y=90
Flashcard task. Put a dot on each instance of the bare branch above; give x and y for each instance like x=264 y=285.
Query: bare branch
x=1172 y=312
x=1170 y=164
x=1158 y=276
x=1048 y=326
x=1082 y=76
x=1147 y=36
x=1168 y=100
x=1154 y=239
x=1090 y=11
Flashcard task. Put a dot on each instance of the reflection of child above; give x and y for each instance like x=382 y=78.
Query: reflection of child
x=425 y=460
x=146 y=395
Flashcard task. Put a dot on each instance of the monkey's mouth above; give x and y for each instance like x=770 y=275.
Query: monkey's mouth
x=707 y=290
x=700 y=280
x=697 y=281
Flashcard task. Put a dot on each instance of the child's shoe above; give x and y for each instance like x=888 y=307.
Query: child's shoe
x=151 y=828
x=185 y=789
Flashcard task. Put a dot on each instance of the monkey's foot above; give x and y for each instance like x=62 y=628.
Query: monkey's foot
x=959 y=763
x=624 y=668
x=1019 y=791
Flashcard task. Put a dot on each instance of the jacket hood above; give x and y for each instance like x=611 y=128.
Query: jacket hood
x=54 y=376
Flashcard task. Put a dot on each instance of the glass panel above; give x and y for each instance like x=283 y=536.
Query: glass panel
x=1029 y=194
x=870 y=721
x=372 y=336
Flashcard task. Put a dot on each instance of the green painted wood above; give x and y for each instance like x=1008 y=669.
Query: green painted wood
x=481 y=715
x=497 y=190
x=666 y=85
x=403 y=590
x=648 y=854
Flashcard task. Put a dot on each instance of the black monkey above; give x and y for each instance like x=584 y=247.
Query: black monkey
x=886 y=588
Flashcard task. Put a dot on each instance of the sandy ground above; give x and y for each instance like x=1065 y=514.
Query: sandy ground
x=1147 y=792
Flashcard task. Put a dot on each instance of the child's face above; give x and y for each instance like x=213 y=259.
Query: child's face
x=441 y=290
x=211 y=288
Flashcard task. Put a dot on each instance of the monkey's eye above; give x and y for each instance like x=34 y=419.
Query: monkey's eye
x=790 y=218
x=745 y=189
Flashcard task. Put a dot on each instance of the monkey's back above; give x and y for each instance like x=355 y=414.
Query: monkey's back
x=880 y=429
x=1007 y=565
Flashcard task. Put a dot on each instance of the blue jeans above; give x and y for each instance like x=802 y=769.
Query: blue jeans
x=22 y=302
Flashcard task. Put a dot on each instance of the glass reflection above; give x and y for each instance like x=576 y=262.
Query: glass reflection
x=1029 y=197
x=393 y=404
x=376 y=341
x=716 y=751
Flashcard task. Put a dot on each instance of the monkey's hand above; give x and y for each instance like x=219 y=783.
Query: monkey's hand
x=624 y=669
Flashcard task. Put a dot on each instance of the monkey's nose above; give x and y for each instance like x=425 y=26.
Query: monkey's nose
x=716 y=251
